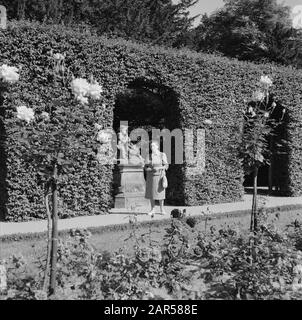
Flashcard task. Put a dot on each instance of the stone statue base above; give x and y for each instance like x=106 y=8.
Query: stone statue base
x=131 y=191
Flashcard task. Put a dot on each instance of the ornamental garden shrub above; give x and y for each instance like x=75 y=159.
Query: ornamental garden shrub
x=187 y=264
x=204 y=91
x=260 y=143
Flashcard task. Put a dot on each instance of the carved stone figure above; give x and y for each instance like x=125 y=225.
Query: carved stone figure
x=130 y=178
x=123 y=143
x=3 y=17
x=135 y=157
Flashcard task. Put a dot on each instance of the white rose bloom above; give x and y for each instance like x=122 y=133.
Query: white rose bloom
x=9 y=74
x=45 y=115
x=103 y=137
x=298 y=269
x=95 y=91
x=97 y=126
x=258 y=96
x=80 y=87
x=82 y=99
x=58 y=56
x=26 y=114
x=266 y=81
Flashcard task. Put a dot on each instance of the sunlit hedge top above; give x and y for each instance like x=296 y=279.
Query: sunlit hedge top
x=205 y=87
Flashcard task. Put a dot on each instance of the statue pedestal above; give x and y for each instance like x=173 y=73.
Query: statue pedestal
x=131 y=191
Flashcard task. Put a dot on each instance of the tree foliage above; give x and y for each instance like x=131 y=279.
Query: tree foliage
x=157 y=21
x=257 y=30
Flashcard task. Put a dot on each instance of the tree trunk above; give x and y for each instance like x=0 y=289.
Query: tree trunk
x=54 y=249
x=270 y=168
x=49 y=245
x=254 y=220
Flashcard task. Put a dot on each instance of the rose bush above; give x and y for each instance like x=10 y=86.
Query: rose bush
x=188 y=264
x=259 y=129
x=52 y=155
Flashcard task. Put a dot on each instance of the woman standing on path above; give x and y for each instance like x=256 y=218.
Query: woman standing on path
x=156 y=165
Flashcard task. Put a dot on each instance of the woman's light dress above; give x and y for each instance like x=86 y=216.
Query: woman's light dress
x=154 y=169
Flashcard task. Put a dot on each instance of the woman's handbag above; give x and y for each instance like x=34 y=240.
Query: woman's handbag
x=164 y=180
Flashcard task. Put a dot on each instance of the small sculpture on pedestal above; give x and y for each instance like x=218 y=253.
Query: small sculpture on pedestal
x=123 y=144
x=130 y=178
x=135 y=157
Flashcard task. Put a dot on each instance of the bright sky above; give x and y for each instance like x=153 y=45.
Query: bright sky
x=208 y=6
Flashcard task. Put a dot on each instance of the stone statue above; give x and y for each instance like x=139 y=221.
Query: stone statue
x=130 y=178
x=123 y=143
x=3 y=17
x=135 y=157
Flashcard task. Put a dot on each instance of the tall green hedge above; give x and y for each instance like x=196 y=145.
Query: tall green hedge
x=204 y=87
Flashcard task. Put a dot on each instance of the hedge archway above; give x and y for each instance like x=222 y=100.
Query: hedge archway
x=147 y=104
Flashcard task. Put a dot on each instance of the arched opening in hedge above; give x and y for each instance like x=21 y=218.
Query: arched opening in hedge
x=151 y=105
x=273 y=178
